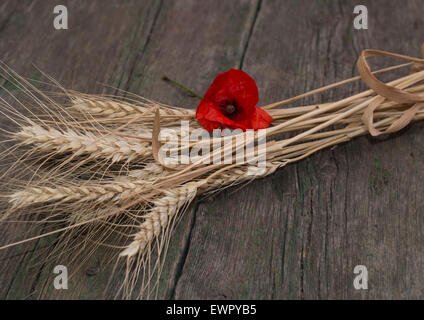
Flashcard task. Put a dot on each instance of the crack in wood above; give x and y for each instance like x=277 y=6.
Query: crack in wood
x=251 y=29
x=143 y=49
x=183 y=258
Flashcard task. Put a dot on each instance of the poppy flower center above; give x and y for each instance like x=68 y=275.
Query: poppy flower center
x=230 y=109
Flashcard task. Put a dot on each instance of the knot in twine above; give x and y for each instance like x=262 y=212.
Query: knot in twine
x=389 y=93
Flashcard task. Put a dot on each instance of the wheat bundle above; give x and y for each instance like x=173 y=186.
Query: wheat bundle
x=96 y=159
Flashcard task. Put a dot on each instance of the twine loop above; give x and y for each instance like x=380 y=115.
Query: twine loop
x=389 y=93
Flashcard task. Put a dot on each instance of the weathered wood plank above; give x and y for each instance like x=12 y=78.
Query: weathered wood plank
x=92 y=52
x=192 y=42
x=297 y=234
x=204 y=39
x=300 y=233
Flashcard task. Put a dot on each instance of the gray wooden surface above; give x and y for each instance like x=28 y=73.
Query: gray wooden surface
x=295 y=235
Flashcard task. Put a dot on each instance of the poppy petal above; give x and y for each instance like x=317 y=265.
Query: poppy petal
x=234 y=87
x=239 y=89
x=210 y=117
x=258 y=120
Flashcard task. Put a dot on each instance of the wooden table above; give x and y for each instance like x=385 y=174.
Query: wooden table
x=297 y=234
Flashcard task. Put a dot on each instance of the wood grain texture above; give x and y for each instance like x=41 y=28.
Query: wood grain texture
x=295 y=235
x=92 y=52
x=300 y=233
x=100 y=48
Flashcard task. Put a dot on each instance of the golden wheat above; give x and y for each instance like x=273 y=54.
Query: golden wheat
x=110 y=108
x=111 y=147
x=157 y=219
x=121 y=187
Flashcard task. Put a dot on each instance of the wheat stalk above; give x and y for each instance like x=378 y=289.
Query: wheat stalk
x=83 y=214
x=150 y=171
x=174 y=199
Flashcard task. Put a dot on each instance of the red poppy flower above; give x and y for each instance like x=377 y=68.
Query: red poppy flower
x=230 y=102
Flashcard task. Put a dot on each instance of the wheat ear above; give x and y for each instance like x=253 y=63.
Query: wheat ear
x=109 y=108
x=111 y=147
x=98 y=193
x=121 y=187
x=157 y=219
